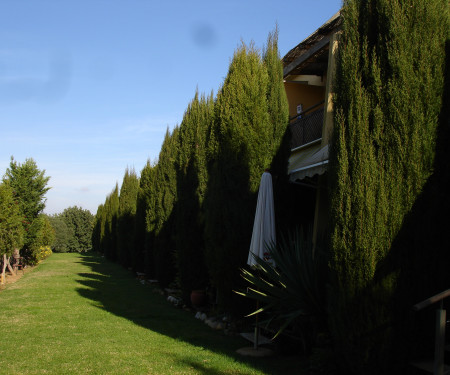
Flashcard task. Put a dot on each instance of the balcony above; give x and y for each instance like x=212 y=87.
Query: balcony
x=307 y=126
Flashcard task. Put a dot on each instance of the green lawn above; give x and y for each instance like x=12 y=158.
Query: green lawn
x=80 y=314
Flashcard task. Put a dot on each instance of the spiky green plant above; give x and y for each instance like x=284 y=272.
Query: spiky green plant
x=292 y=288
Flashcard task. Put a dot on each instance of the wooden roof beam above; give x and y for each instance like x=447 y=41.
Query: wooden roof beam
x=311 y=52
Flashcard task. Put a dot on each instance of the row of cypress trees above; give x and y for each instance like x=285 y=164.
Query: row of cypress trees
x=189 y=216
x=388 y=179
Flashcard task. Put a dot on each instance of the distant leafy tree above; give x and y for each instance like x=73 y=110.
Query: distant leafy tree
x=125 y=222
x=63 y=234
x=80 y=224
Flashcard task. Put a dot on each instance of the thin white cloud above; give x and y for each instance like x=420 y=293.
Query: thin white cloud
x=35 y=76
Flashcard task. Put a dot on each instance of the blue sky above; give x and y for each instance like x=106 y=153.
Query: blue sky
x=88 y=88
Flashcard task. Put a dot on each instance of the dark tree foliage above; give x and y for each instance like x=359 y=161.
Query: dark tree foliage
x=125 y=222
x=389 y=84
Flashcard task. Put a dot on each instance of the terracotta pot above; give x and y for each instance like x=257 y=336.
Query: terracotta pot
x=198 y=298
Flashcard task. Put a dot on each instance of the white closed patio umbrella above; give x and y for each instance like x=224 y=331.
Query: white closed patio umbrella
x=263 y=235
x=264 y=225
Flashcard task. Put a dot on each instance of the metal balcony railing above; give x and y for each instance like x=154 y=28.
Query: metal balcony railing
x=307 y=126
x=438 y=367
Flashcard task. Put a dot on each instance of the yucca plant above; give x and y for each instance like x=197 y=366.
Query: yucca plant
x=293 y=288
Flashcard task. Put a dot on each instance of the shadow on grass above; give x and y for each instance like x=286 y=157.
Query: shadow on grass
x=115 y=289
x=201 y=369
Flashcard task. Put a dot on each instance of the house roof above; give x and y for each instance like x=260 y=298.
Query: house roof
x=311 y=55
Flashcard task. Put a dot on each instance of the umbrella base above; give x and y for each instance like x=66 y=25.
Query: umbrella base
x=250 y=351
x=250 y=336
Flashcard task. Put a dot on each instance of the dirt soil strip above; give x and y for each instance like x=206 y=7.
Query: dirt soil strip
x=10 y=279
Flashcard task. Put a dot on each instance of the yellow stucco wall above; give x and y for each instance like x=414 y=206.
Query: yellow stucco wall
x=307 y=95
x=328 y=123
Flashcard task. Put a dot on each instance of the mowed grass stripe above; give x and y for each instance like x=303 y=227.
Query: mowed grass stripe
x=81 y=314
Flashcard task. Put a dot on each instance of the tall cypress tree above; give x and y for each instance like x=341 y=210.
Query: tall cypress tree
x=106 y=237
x=111 y=215
x=160 y=216
x=247 y=132
x=125 y=221
x=98 y=230
x=388 y=97
x=278 y=109
x=191 y=185
x=277 y=104
x=101 y=216
x=141 y=230
x=151 y=190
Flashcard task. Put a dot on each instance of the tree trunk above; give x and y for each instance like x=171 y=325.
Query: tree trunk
x=2 y=279
x=10 y=269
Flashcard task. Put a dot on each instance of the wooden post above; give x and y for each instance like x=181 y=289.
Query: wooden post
x=16 y=257
x=439 y=341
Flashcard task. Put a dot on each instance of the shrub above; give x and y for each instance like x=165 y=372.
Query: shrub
x=43 y=253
